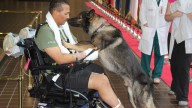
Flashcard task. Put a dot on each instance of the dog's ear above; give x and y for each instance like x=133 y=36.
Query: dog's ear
x=91 y=13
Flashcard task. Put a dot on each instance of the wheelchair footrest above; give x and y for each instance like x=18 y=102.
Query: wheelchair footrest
x=45 y=105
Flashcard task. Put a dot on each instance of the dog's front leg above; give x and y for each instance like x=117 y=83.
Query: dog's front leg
x=131 y=96
x=126 y=82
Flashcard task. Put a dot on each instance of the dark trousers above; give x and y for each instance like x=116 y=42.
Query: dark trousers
x=180 y=65
x=168 y=41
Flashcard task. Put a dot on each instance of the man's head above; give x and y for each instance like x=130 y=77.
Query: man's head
x=60 y=10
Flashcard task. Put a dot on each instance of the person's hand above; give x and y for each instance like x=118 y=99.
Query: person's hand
x=92 y=56
x=80 y=55
x=146 y=25
x=177 y=14
x=67 y=45
x=7 y=52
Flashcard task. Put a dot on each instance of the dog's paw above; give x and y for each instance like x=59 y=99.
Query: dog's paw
x=126 y=83
x=91 y=55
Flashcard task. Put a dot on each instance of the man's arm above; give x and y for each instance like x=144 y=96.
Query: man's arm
x=77 y=47
x=170 y=16
x=59 y=58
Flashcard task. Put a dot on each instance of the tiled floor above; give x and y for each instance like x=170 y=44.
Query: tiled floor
x=13 y=22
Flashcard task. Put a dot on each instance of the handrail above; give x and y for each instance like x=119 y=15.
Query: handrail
x=18 y=78
x=37 y=19
x=13 y=11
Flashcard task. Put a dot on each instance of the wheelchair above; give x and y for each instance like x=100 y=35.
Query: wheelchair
x=50 y=88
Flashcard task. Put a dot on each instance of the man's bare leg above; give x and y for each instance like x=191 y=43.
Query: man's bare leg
x=101 y=83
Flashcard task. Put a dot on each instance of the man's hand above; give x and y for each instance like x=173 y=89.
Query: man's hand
x=80 y=55
x=68 y=45
x=77 y=47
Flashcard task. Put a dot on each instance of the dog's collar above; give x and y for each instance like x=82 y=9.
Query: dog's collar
x=101 y=26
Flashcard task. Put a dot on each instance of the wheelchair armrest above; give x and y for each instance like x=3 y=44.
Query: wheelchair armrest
x=61 y=67
x=75 y=66
x=26 y=43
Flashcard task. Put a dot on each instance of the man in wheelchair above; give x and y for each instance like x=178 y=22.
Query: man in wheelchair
x=49 y=39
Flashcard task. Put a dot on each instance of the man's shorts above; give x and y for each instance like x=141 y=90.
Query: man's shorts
x=79 y=80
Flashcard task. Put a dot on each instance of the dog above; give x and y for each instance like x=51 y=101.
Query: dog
x=116 y=56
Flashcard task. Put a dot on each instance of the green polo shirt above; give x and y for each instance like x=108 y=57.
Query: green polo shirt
x=46 y=39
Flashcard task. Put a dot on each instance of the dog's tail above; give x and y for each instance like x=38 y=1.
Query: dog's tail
x=142 y=78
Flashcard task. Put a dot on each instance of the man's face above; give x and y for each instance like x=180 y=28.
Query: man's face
x=62 y=16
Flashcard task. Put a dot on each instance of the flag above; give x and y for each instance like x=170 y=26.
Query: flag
x=127 y=7
x=118 y=4
x=122 y=7
x=134 y=9
x=112 y=2
x=107 y=1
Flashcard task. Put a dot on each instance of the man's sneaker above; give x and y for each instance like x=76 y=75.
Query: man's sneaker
x=183 y=103
x=166 y=62
x=171 y=92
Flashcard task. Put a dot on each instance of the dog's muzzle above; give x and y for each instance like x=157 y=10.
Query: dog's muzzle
x=73 y=22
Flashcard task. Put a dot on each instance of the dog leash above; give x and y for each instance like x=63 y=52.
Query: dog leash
x=93 y=50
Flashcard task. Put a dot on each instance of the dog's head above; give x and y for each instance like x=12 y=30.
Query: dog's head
x=101 y=32
x=88 y=20
x=82 y=20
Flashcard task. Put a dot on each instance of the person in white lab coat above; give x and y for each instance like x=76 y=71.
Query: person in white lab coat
x=154 y=35
x=180 y=12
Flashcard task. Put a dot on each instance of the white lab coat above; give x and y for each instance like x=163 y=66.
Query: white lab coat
x=153 y=15
x=182 y=26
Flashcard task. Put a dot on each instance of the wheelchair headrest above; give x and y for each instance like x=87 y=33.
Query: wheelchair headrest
x=26 y=43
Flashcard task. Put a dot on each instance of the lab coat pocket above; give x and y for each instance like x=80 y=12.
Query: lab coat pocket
x=147 y=33
x=150 y=11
